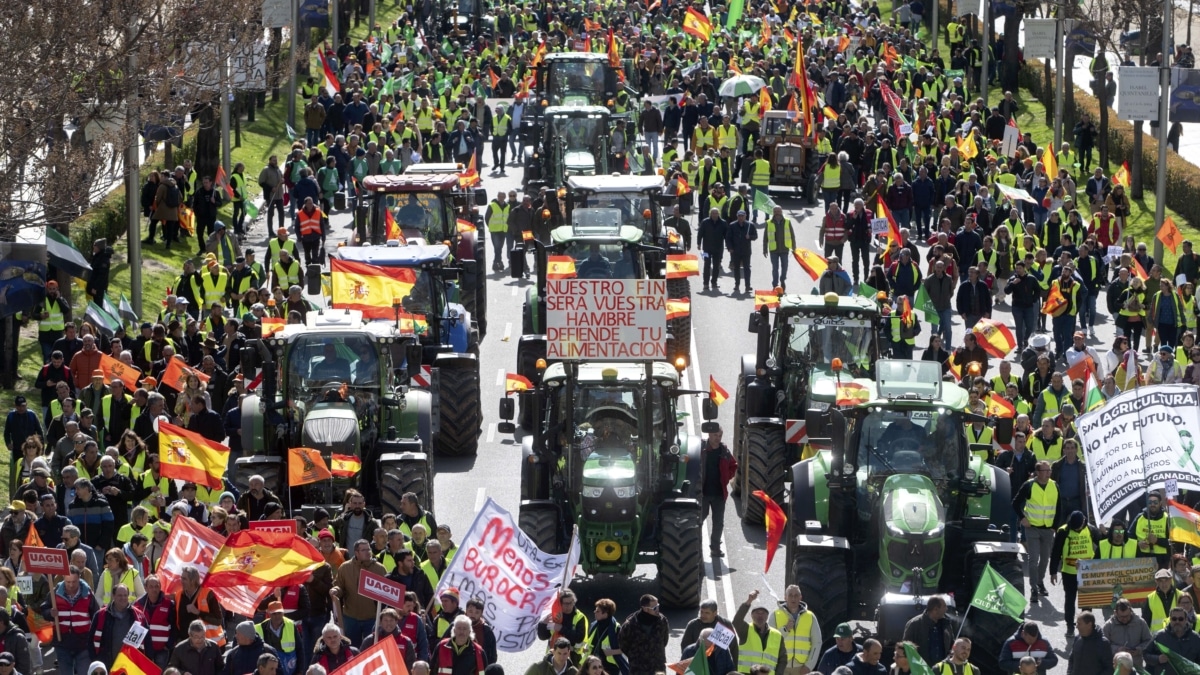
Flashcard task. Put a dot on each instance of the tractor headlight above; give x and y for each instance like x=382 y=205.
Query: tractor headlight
x=626 y=492
x=819 y=405
x=591 y=492
x=771 y=362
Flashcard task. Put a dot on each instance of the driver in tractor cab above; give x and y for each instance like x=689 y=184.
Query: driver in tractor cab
x=596 y=266
x=901 y=430
x=331 y=367
x=412 y=214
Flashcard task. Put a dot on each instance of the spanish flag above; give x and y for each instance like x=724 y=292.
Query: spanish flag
x=392 y=229
x=812 y=263
x=258 y=558
x=514 y=382
x=851 y=393
x=526 y=235
x=176 y=373
x=1122 y=176
x=370 y=288
x=766 y=299
x=677 y=308
x=344 y=466
x=682 y=265
x=412 y=323
x=538 y=54
x=1185 y=523
x=271 y=326
x=1138 y=271
x=332 y=83
x=305 y=465
x=695 y=23
x=1054 y=300
x=998 y=406
x=188 y=456
x=893 y=233
x=560 y=267
x=995 y=338
x=131 y=662
x=776 y=522
x=465 y=226
x=715 y=392
x=614 y=51
x=115 y=370
x=1050 y=163
x=469 y=175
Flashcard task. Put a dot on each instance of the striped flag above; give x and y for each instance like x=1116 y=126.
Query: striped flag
x=812 y=262
x=716 y=392
x=332 y=83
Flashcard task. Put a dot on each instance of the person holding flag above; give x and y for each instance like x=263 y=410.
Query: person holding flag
x=758 y=643
x=1176 y=646
x=717 y=468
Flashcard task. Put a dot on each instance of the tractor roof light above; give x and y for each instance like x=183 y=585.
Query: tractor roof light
x=540 y=364
x=680 y=363
x=831 y=298
x=836 y=365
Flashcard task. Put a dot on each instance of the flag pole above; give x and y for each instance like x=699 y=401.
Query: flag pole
x=962 y=623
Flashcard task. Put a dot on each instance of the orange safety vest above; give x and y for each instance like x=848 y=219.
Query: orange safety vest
x=310 y=223
x=203 y=596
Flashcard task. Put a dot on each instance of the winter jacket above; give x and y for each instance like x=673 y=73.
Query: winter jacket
x=243 y=659
x=1015 y=648
x=940 y=290
x=1091 y=655
x=14 y=642
x=188 y=659
x=546 y=667
x=74 y=616
x=330 y=661
x=643 y=639
x=1129 y=637
x=101 y=264
x=94 y=518
x=1187 y=646
x=920 y=631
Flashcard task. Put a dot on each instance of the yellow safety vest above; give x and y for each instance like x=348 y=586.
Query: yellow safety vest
x=1126 y=550
x=106 y=584
x=106 y=406
x=753 y=652
x=1158 y=613
x=981 y=437
x=55 y=320
x=1042 y=504
x=1078 y=546
x=797 y=641
x=833 y=177
x=214 y=289
x=1044 y=452
x=288 y=245
x=285 y=277
x=704 y=138
x=128 y=530
x=498 y=221
x=1145 y=526
x=164 y=487
x=287 y=637
x=762 y=173
x=787 y=235
x=729 y=138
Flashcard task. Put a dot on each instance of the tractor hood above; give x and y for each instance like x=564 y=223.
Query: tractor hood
x=332 y=428
x=911 y=505
x=913 y=529
x=604 y=471
x=579 y=162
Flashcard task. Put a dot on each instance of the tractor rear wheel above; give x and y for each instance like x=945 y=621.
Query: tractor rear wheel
x=824 y=584
x=988 y=631
x=680 y=558
x=764 y=470
x=397 y=478
x=462 y=416
x=540 y=524
x=739 y=420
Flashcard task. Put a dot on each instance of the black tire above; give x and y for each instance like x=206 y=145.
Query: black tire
x=479 y=292
x=825 y=585
x=765 y=470
x=541 y=526
x=681 y=328
x=988 y=631
x=462 y=416
x=739 y=419
x=680 y=559
x=272 y=473
x=527 y=315
x=526 y=365
x=397 y=478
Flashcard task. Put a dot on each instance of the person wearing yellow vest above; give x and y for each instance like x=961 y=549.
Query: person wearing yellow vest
x=212 y=285
x=758 y=643
x=958 y=662
x=497 y=224
x=434 y=566
x=1117 y=546
x=1162 y=603
x=52 y=315
x=602 y=638
x=193 y=603
x=1150 y=528
x=801 y=631
x=1039 y=507
x=980 y=434
x=117 y=571
x=286 y=271
x=572 y=625
x=760 y=180
x=281 y=633
x=1073 y=542
x=778 y=244
x=280 y=243
x=1049 y=400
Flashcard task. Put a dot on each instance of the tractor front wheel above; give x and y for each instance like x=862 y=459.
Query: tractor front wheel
x=680 y=558
x=398 y=478
x=462 y=416
x=824 y=585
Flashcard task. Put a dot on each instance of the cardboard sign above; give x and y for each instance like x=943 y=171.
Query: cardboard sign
x=380 y=589
x=1172 y=487
x=25 y=585
x=905 y=129
x=276 y=526
x=879 y=226
x=46 y=560
x=606 y=319
x=136 y=635
x=721 y=636
x=1103 y=581
x=1010 y=142
x=1115 y=252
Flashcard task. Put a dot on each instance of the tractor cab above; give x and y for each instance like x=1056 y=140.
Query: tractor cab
x=574 y=142
x=576 y=79
x=794 y=160
x=640 y=200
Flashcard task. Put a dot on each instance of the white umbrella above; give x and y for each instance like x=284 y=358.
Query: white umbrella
x=741 y=85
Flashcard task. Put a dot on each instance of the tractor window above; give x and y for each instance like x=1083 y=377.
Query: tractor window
x=424 y=212
x=575 y=82
x=630 y=204
x=821 y=344
x=778 y=126
x=602 y=261
x=426 y=299
x=581 y=134
x=319 y=365
x=910 y=441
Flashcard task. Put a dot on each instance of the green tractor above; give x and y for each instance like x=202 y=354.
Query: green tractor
x=575 y=141
x=609 y=455
x=899 y=509
x=790 y=372
x=340 y=385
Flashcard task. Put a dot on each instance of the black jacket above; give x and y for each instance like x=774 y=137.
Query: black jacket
x=1022 y=469
x=710 y=236
x=738 y=237
x=1091 y=655
x=1026 y=293
x=208 y=424
x=973 y=299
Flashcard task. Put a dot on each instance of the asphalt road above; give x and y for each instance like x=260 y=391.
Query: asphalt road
x=720 y=337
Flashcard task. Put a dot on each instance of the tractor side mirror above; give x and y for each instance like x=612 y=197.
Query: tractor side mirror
x=412 y=355
x=507 y=410
x=708 y=409
x=756 y=323
x=709 y=427
x=516 y=262
x=470 y=267
x=481 y=198
x=313 y=279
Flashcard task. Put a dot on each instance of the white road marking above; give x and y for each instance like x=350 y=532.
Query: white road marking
x=507 y=332
x=490 y=438
x=480 y=497
x=500 y=378
x=514 y=290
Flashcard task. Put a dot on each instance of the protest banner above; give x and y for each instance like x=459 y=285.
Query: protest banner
x=1103 y=581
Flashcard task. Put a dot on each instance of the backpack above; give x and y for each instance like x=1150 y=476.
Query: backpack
x=174 y=197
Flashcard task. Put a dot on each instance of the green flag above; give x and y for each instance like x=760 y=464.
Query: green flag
x=866 y=290
x=924 y=304
x=406 y=81
x=291 y=133
x=101 y=320
x=994 y=594
x=699 y=664
x=251 y=210
x=735 y=13
x=916 y=664
x=386 y=55
x=1180 y=665
x=763 y=202
x=109 y=307
x=389 y=87
x=126 y=310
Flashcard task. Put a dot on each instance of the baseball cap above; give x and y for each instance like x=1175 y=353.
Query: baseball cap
x=843 y=631
x=7 y=659
x=20 y=400
x=17 y=505
x=52 y=284
x=275 y=607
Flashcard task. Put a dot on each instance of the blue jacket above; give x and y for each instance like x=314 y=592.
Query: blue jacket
x=94 y=518
x=19 y=427
x=457 y=137
x=922 y=191
x=834 y=657
x=307 y=187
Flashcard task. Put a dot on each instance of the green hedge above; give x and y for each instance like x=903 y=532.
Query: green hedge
x=1183 y=178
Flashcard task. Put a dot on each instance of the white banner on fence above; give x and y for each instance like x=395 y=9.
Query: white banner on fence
x=1137 y=93
x=1039 y=38
x=1137 y=441
x=516 y=580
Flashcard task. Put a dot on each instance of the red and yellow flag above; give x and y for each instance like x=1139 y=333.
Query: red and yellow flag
x=681 y=186
x=851 y=393
x=893 y=232
x=775 y=521
x=176 y=373
x=677 y=308
x=682 y=265
x=332 y=83
x=391 y=229
x=614 y=50
x=188 y=456
x=470 y=175
x=344 y=465
x=187 y=219
x=812 y=262
x=560 y=267
x=370 y=288
x=764 y=100
x=514 y=382
x=539 y=53
x=412 y=323
x=716 y=392
x=768 y=299
x=1081 y=370
x=695 y=23
x=1122 y=176
x=526 y=235
x=306 y=465
x=115 y=370
x=271 y=326
x=995 y=338
x=1139 y=271
x=130 y=662
x=998 y=406
x=1169 y=234
x=222 y=181
x=1054 y=300
x=258 y=558
x=1050 y=163
x=465 y=225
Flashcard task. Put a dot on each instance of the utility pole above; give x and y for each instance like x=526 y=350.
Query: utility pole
x=1060 y=64
x=371 y=20
x=1164 y=123
x=985 y=47
x=335 y=11
x=133 y=179
x=934 y=27
x=293 y=67
x=225 y=87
